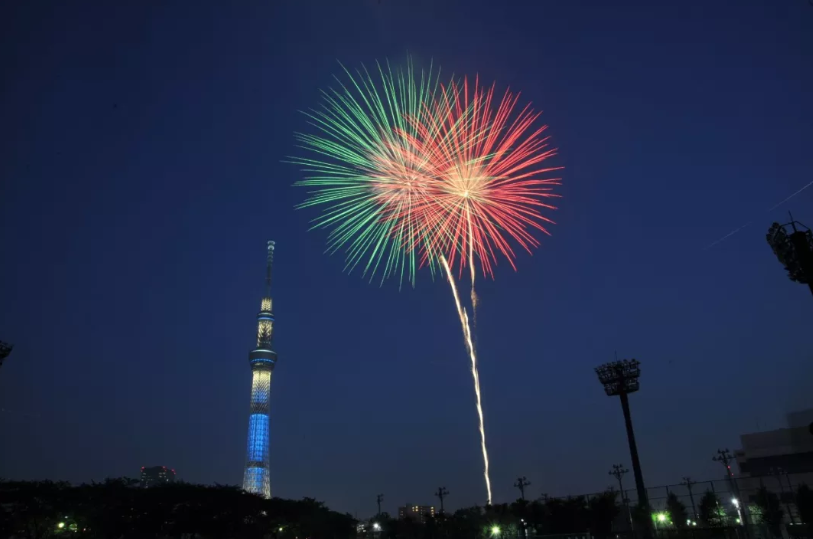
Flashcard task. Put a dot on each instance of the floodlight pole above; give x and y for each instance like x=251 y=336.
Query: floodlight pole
x=5 y=350
x=636 y=463
x=621 y=378
x=792 y=243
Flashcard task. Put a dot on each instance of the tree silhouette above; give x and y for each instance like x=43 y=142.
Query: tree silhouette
x=771 y=508
x=709 y=511
x=568 y=515
x=677 y=510
x=602 y=510
x=119 y=508
x=804 y=504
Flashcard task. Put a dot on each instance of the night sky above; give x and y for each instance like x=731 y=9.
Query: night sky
x=142 y=173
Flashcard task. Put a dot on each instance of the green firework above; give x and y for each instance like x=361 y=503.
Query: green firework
x=360 y=163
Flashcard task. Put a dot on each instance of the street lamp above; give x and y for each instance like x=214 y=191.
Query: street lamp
x=794 y=250
x=621 y=378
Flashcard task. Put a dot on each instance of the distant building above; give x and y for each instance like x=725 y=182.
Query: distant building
x=156 y=475
x=779 y=460
x=788 y=449
x=417 y=513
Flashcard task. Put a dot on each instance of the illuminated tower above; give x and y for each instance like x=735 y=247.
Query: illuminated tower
x=262 y=360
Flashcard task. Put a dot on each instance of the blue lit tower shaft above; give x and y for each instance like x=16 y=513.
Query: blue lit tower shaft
x=262 y=360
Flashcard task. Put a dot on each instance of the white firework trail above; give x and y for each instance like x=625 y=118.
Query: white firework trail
x=464 y=321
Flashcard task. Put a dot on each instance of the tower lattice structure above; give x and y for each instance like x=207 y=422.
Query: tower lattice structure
x=262 y=360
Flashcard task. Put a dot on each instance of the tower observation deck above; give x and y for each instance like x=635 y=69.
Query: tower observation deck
x=262 y=360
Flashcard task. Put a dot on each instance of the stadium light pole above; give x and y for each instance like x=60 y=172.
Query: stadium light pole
x=792 y=243
x=620 y=378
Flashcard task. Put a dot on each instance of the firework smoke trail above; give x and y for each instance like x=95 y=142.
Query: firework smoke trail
x=464 y=322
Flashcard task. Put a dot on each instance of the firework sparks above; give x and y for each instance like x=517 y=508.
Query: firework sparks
x=365 y=171
x=420 y=173
x=489 y=184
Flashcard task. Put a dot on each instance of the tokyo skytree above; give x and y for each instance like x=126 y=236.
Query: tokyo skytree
x=262 y=360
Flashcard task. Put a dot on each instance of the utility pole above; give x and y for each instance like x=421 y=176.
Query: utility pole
x=521 y=483
x=378 y=499
x=689 y=484
x=724 y=457
x=619 y=472
x=441 y=493
x=779 y=472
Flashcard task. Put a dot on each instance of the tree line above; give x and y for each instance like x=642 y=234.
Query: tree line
x=518 y=519
x=601 y=515
x=120 y=509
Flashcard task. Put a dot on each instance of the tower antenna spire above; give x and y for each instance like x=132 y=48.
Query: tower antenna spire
x=270 y=260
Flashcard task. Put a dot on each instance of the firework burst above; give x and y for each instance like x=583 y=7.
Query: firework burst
x=366 y=171
x=489 y=182
x=412 y=173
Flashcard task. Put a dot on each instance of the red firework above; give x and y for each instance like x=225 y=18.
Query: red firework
x=481 y=181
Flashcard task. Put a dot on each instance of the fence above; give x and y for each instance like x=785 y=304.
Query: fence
x=741 y=489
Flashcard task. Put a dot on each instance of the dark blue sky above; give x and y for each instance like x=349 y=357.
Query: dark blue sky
x=141 y=176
